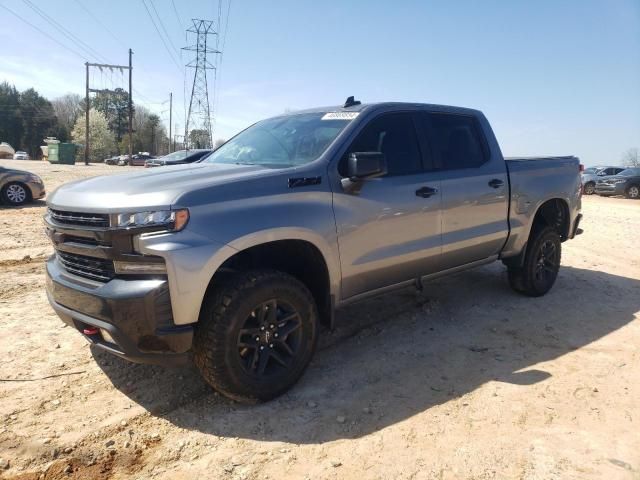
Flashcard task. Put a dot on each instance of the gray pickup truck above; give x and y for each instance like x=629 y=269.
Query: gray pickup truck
x=237 y=260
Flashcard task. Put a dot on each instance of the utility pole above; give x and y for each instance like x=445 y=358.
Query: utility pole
x=86 y=119
x=199 y=116
x=175 y=135
x=130 y=108
x=112 y=92
x=170 y=117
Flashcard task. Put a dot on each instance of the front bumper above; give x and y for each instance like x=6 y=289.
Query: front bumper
x=610 y=189
x=136 y=313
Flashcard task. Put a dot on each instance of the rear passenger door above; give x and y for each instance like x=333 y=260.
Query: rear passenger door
x=475 y=188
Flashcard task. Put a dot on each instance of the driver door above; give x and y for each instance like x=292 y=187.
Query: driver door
x=389 y=232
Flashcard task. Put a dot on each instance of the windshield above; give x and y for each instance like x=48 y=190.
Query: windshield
x=630 y=172
x=179 y=155
x=284 y=141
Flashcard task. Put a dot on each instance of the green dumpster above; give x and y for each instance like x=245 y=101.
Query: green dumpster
x=62 y=153
x=52 y=154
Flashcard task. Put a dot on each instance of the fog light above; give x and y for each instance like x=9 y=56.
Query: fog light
x=106 y=336
x=140 y=268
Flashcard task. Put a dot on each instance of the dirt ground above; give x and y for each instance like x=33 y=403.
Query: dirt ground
x=466 y=380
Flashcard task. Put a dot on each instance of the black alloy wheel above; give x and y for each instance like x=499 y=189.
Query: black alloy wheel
x=540 y=265
x=547 y=264
x=270 y=339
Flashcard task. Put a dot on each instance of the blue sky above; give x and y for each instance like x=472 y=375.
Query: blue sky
x=553 y=77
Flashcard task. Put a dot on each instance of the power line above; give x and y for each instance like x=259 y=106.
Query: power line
x=218 y=71
x=226 y=28
x=84 y=57
x=97 y=20
x=162 y=25
x=175 y=10
x=161 y=37
x=47 y=18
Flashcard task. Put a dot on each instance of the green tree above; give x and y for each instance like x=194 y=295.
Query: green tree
x=10 y=120
x=115 y=107
x=199 y=139
x=101 y=141
x=38 y=121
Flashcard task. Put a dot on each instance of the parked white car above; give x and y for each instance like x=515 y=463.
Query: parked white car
x=20 y=155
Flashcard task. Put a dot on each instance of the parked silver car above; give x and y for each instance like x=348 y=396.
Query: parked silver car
x=591 y=176
x=20 y=155
x=18 y=187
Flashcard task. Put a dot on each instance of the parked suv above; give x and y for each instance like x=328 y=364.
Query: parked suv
x=591 y=175
x=239 y=258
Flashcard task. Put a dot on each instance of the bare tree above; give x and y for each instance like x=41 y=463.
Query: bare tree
x=631 y=158
x=67 y=108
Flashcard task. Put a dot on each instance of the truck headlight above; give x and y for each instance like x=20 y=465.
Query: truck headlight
x=173 y=220
x=146 y=268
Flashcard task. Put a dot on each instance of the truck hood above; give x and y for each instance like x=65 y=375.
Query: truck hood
x=150 y=188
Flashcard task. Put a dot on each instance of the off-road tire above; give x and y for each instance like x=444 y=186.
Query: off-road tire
x=10 y=194
x=524 y=279
x=589 y=188
x=225 y=312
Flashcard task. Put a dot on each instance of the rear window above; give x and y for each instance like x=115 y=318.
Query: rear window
x=456 y=140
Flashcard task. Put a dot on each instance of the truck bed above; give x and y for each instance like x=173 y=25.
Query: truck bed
x=533 y=181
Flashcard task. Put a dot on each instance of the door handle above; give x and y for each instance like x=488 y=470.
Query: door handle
x=496 y=183
x=426 y=192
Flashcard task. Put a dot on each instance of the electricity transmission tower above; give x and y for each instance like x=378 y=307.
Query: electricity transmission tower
x=197 y=132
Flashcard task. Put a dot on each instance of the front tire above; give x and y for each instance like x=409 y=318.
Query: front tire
x=541 y=264
x=256 y=336
x=633 y=192
x=15 y=194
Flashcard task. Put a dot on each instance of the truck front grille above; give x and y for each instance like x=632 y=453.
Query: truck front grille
x=82 y=219
x=89 y=267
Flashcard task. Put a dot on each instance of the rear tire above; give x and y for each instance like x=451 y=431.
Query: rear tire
x=15 y=194
x=541 y=264
x=589 y=188
x=256 y=335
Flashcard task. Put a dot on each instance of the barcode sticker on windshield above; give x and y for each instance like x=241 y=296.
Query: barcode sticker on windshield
x=340 y=115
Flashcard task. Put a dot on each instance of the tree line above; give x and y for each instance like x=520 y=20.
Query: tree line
x=27 y=118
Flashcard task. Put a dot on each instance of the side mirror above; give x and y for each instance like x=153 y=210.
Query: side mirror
x=601 y=174
x=363 y=165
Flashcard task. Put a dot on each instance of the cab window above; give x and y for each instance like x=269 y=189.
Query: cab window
x=394 y=135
